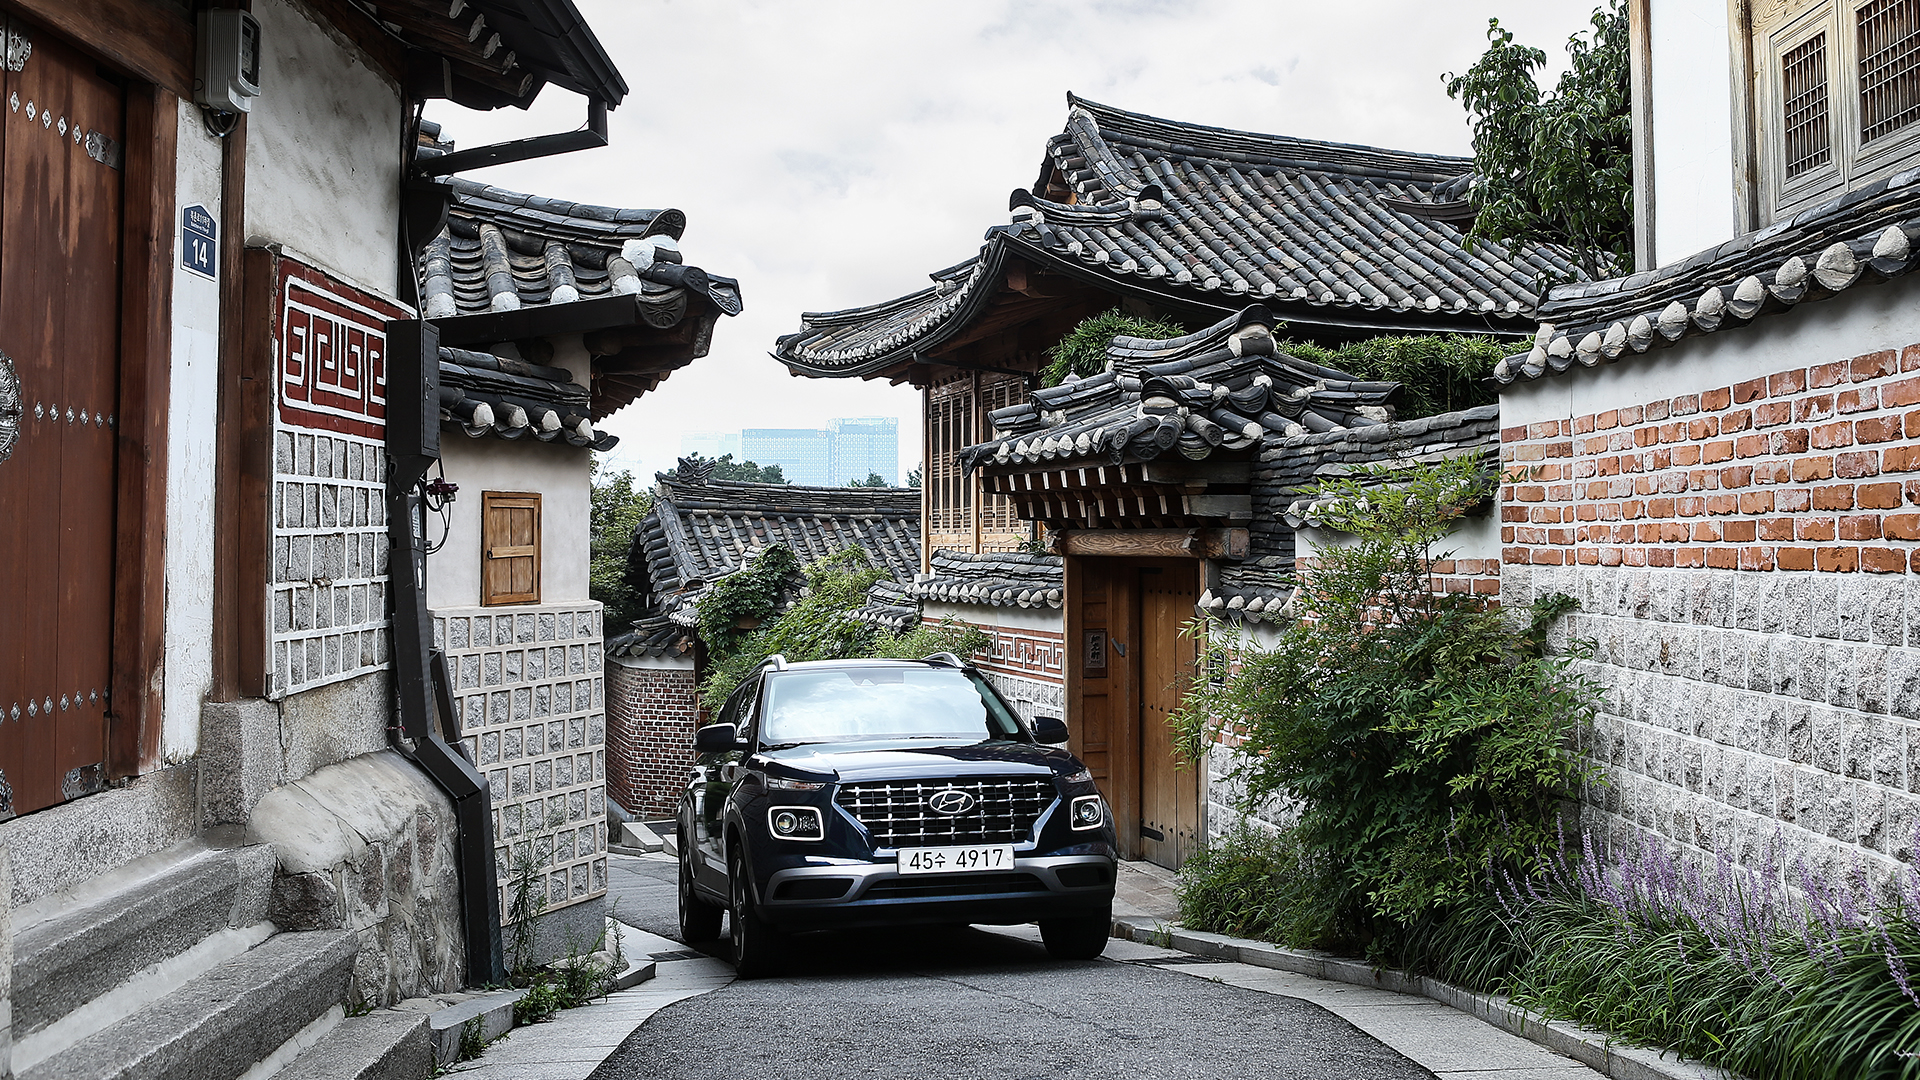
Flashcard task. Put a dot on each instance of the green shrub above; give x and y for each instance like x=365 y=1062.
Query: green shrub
x=1423 y=737
x=1083 y=351
x=1261 y=883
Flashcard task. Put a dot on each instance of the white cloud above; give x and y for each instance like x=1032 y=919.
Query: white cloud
x=831 y=154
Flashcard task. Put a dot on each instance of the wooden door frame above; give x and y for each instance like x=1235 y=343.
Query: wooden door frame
x=1123 y=680
x=153 y=49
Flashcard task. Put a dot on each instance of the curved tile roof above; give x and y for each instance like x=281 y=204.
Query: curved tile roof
x=487 y=395
x=994 y=579
x=1863 y=237
x=1217 y=217
x=1225 y=387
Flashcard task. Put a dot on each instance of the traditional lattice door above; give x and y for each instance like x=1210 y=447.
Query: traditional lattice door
x=61 y=129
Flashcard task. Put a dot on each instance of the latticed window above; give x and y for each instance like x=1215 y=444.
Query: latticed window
x=1841 y=90
x=1000 y=526
x=950 y=410
x=1803 y=79
x=1889 y=66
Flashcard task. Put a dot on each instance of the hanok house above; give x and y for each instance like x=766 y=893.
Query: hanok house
x=698 y=531
x=563 y=313
x=1189 y=224
x=219 y=752
x=1722 y=450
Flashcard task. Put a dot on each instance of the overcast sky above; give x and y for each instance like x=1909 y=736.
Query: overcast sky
x=832 y=153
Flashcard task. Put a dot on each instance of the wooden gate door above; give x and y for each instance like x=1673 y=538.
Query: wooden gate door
x=1169 y=791
x=61 y=130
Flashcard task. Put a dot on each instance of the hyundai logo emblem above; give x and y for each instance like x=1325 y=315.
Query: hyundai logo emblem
x=951 y=801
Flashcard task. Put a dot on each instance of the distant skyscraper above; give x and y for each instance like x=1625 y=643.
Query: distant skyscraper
x=805 y=455
x=710 y=444
x=864 y=445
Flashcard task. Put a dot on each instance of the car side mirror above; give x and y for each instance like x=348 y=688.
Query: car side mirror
x=716 y=739
x=1049 y=729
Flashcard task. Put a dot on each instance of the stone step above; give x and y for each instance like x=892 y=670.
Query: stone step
x=382 y=1045
x=491 y=1014
x=72 y=948
x=222 y=1023
x=633 y=838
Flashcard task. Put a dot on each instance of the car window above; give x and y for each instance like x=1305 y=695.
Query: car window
x=881 y=703
x=749 y=712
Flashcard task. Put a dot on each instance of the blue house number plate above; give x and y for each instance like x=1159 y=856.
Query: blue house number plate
x=199 y=249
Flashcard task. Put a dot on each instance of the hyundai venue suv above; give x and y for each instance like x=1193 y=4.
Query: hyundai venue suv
x=855 y=793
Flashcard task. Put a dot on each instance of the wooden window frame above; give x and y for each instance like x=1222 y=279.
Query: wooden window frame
x=490 y=550
x=1775 y=28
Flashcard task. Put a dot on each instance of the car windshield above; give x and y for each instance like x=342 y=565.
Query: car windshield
x=881 y=703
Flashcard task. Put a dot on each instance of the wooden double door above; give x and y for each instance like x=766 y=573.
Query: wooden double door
x=1128 y=667
x=62 y=125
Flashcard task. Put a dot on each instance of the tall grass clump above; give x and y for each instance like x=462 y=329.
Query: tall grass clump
x=1775 y=971
x=1261 y=883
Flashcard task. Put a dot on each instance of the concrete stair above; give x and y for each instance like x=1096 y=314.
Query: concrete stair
x=169 y=969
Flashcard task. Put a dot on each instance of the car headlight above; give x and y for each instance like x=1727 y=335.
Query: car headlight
x=795 y=823
x=1087 y=812
x=782 y=784
x=1084 y=776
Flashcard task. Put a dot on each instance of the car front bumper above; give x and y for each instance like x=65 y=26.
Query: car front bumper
x=853 y=894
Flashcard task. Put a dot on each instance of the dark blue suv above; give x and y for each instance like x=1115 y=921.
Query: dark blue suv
x=849 y=793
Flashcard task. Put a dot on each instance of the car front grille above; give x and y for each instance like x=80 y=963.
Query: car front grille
x=898 y=813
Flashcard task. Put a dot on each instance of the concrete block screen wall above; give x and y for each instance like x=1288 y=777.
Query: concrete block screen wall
x=1745 y=553
x=652 y=710
x=528 y=692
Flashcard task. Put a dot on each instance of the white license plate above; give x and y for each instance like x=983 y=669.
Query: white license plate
x=956 y=860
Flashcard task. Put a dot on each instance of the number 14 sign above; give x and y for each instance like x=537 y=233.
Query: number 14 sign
x=199 y=251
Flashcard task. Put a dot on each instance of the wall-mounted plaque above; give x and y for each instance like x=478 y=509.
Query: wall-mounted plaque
x=1093 y=653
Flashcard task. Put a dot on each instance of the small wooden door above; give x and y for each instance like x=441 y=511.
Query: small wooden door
x=1169 y=788
x=61 y=129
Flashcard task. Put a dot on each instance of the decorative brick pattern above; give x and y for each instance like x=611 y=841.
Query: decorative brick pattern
x=1032 y=654
x=651 y=714
x=1809 y=469
x=528 y=691
x=328 y=590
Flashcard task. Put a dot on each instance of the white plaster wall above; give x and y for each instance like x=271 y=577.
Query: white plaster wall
x=556 y=471
x=1691 y=73
x=1014 y=618
x=323 y=150
x=1865 y=319
x=1477 y=536
x=191 y=417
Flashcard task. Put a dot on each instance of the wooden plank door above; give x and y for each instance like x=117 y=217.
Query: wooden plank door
x=1169 y=790
x=62 y=123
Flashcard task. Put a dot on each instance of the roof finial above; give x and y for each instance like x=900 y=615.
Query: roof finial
x=695 y=470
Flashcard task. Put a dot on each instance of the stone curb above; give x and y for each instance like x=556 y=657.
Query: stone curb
x=1585 y=1045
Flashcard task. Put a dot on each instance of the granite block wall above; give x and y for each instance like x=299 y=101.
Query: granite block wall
x=652 y=710
x=328 y=602
x=529 y=692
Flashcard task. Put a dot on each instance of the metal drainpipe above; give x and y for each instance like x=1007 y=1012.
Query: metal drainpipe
x=420 y=671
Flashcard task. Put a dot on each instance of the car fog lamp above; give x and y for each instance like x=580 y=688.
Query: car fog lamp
x=795 y=823
x=1088 y=813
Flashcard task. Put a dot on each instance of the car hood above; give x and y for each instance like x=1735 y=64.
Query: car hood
x=855 y=762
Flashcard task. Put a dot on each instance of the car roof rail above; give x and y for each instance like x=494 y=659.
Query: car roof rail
x=945 y=659
x=777 y=662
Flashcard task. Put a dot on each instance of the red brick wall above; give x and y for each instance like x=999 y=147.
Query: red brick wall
x=650 y=720
x=1808 y=469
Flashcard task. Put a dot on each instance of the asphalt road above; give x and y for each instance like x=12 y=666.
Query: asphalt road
x=964 y=1003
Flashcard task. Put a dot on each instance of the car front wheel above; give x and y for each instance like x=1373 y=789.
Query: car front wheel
x=699 y=920
x=756 y=944
x=1080 y=938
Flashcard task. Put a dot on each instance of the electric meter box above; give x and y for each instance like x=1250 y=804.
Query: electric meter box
x=228 y=66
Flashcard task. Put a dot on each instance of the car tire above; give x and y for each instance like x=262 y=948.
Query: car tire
x=1081 y=938
x=699 y=920
x=756 y=944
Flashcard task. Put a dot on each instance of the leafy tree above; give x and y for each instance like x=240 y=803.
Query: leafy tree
x=913 y=478
x=1558 y=168
x=873 y=480
x=772 y=606
x=616 y=510
x=1083 y=351
x=1439 y=372
x=725 y=468
x=1422 y=737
